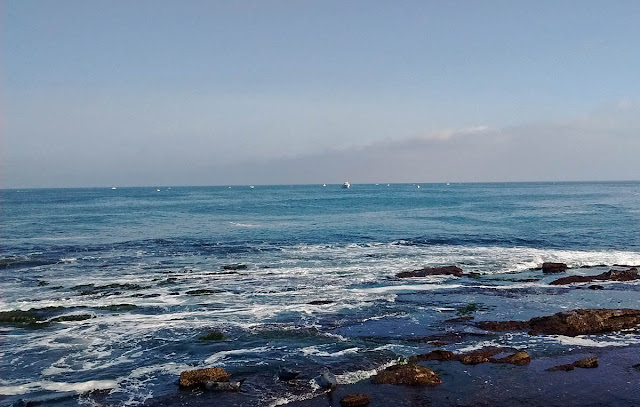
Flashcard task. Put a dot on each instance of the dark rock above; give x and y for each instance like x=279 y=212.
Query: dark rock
x=433 y=271
x=596 y=287
x=572 y=279
x=212 y=336
x=287 y=374
x=637 y=367
x=500 y=326
x=549 y=267
x=326 y=380
x=408 y=375
x=202 y=291
x=42 y=283
x=71 y=318
x=473 y=274
x=439 y=354
x=562 y=368
x=320 y=302
x=468 y=309
x=200 y=377
x=572 y=323
x=587 y=363
x=478 y=356
x=611 y=275
x=526 y=280
x=518 y=359
x=19 y=317
x=585 y=322
x=355 y=400
x=235 y=267
x=118 y=307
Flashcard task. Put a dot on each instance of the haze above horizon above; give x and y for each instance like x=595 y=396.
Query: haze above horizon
x=285 y=92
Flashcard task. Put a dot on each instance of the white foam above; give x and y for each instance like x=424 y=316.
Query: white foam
x=218 y=357
x=79 y=387
x=315 y=351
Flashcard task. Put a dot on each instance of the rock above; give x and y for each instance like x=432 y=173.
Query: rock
x=572 y=323
x=571 y=280
x=518 y=359
x=619 y=275
x=586 y=363
x=71 y=318
x=459 y=319
x=326 y=380
x=478 y=356
x=549 y=267
x=408 y=375
x=355 y=400
x=500 y=326
x=223 y=386
x=637 y=367
x=212 y=336
x=596 y=287
x=585 y=322
x=611 y=275
x=320 y=302
x=235 y=267
x=561 y=368
x=201 y=291
x=432 y=271
x=285 y=374
x=439 y=354
x=200 y=377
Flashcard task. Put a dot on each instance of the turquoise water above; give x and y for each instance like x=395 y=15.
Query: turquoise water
x=88 y=249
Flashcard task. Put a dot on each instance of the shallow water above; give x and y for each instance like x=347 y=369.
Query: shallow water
x=163 y=254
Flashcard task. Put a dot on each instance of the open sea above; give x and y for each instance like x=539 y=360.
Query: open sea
x=303 y=276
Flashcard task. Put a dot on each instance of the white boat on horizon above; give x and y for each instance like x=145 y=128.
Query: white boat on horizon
x=346 y=185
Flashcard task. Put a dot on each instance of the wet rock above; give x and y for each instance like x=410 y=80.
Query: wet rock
x=572 y=323
x=235 y=267
x=432 y=271
x=212 y=336
x=320 y=302
x=550 y=267
x=118 y=307
x=71 y=318
x=439 y=354
x=611 y=275
x=596 y=287
x=637 y=367
x=408 y=375
x=518 y=359
x=202 y=291
x=286 y=374
x=326 y=379
x=478 y=356
x=501 y=326
x=223 y=386
x=199 y=377
x=585 y=322
x=19 y=317
x=459 y=319
x=42 y=283
x=586 y=363
x=571 y=280
x=562 y=368
x=355 y=400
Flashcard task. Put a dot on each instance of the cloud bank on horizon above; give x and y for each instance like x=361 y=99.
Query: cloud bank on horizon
x=162 y=92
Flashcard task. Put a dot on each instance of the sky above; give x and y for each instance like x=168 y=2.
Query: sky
x=155 y=92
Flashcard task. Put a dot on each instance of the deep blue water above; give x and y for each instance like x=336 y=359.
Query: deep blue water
x=85 y=249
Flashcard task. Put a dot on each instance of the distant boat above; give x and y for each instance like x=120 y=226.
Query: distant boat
x=448 y=184
x=346 y=185
x=418 y=186
x=387 y=184
x=114 y=188
x=251 y=186
x=324 y=185
x=158 y=190
x=377 y=184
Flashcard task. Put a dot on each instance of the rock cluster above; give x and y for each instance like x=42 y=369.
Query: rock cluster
x=355 y=400
x=476 y=357
x=586 y=363
x=553 y=267
x=611 y=275
x=432 y=271
x=200 y=377
x=572 y=323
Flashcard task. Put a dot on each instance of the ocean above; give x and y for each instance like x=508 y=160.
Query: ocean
x=123 y=283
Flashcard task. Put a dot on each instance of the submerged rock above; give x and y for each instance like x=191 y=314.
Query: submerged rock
x=432 y=271
x=478 y=356
x=439 y=354
x=320 y=302
x=355 y=400
x=572 y=323
x=235 y=267
x=562 y=368
x=571 y=280
x=550 y=267
x=408 y=375
x=596 y=287
x=200 y=377
x=212 y=336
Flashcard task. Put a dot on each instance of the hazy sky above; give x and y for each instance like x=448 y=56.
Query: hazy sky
x=100 y=93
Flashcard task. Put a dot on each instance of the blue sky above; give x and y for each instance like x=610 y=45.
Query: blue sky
x=216 y=92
